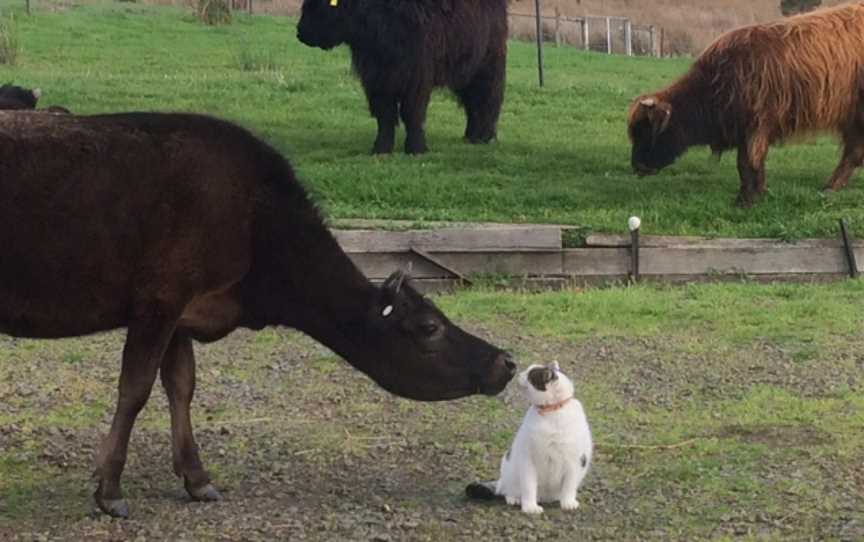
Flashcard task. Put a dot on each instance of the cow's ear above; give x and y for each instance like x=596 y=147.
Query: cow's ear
x=657 y=112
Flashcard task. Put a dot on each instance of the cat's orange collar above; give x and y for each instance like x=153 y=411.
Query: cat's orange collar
x=546 y=409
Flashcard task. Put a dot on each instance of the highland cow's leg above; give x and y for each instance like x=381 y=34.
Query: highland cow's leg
x=482 y=99
x=178 y=379
x=146 y=341
x=751 y=170
x=853 y=157
x=383 y=108
x=413 y=110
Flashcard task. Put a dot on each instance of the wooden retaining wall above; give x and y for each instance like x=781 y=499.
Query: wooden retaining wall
x=535 y=256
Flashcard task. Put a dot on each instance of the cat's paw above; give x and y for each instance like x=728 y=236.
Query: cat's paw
x=532 y=508
x=512 y=501
x=569 y=504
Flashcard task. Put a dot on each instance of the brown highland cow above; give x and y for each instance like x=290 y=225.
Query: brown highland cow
x=759 y=85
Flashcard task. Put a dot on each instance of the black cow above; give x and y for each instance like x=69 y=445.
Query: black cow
x=183 y=227
x=402 y=49
x=15 y=97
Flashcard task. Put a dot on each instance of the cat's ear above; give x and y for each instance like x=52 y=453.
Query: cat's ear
x=554 y=366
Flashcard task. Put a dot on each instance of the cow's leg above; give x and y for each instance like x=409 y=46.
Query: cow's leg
x=147 y=338
x=482 y=99
x=751 y=170
x=178 y=379
x=383 y=108
x=413 y=110
x=853 y=157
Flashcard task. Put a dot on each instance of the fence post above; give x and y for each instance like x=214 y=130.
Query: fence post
x=653 y=34
x=628 y=37
x=28 y=7
x=585 y=38
x=539 y=42
x=662 y=41
x=557 y=28
x=609 y=35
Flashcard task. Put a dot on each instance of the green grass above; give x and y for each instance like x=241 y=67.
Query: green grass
x=562 y=154
x=804 y=315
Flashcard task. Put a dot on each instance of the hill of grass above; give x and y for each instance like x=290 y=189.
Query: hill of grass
x=562 y=154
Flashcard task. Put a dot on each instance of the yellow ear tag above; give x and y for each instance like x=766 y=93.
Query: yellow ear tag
x=334 y=3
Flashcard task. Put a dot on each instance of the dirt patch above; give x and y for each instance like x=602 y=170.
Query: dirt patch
x=787 y=436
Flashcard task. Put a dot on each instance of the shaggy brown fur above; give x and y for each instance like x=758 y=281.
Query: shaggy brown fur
x=757 y=86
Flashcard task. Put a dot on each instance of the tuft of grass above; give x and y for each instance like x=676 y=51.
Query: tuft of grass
x=214 y=12
x=9 y=42
x=257 y=60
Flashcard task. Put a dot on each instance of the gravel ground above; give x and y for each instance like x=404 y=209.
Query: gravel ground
x=305 y=448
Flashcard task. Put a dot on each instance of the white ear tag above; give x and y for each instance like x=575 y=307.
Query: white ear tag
x=387 y=311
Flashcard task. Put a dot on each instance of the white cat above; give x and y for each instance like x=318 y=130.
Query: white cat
x=551 y=452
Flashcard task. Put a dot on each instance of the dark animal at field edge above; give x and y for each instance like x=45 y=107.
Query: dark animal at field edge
x=183 y=227
x=757 y=86
x=402 y=49
x=14 y=98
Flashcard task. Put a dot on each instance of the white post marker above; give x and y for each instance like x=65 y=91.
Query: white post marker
x=633 y=224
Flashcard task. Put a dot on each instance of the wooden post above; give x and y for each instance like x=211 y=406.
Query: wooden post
x=250 y=6
x=609 y=35
x=585 y=38
x=628 y=37
x=850 y=252
x=28 y=7
x=539 y=42
x=653 y=32
x=633 y=225
x=662 y=41
x=557 y=28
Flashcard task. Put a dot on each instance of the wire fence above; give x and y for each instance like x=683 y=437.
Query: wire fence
x=611 y=35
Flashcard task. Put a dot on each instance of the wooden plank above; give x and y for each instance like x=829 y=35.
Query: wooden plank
x=596 y=261
x=697 y=260
x=451 y=239
x=610 y=240
x=530 y=263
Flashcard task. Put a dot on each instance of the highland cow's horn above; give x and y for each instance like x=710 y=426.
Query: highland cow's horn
x=648 y=102
x=37 y=92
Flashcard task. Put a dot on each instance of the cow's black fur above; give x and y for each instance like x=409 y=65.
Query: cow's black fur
x=181 y=227
x=402 y=49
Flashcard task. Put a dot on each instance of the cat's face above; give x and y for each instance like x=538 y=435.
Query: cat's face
x=545 y=384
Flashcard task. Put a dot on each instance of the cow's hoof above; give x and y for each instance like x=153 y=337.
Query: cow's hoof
x=744 y=202
x=205 y=493
x=116 y=508
x=481 y=139
x=418 y=148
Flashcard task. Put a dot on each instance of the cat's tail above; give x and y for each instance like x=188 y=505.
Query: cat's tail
x=483 y=491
